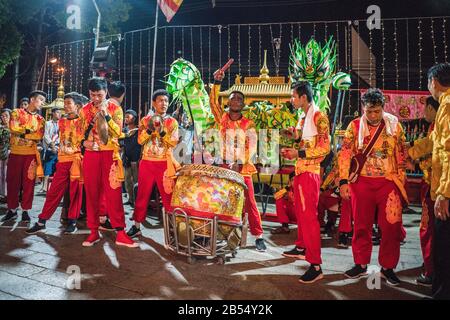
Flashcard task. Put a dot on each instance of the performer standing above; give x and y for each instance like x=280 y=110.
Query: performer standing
x=439 y=86
x=158 y=135
x=422 y=149
x=68 y=168
x=379 y=186
x=101 y=123
x=311 y=151
x=24 y=164
x=234 y=127
x=5 y=116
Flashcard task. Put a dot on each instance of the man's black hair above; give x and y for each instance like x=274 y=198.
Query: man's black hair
x=24 y=99
x=304 y=88
x=97 y=84
x=373 y=96
x=432 y=102
x=116 y=89
x=440 y=72
x=160 y=92
x=36 y=93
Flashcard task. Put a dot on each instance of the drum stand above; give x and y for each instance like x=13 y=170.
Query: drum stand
x=212 y=237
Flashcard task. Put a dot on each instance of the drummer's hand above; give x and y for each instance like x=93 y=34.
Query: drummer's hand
x=289 y=153
x=219 y=75
x=234 y=166
x=288 y=133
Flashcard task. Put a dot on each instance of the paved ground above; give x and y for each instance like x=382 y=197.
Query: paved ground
x=35 y=267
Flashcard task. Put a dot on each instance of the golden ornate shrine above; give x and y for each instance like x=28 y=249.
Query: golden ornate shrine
x=263 y=88
x=57 y=103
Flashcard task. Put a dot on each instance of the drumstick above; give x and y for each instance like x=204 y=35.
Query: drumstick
x=227 y=65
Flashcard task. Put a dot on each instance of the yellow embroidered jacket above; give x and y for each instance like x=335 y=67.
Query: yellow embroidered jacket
x=238 y=137
x=440 y=167
x=422 y=150
x=316 y=147
x=88 y=112
x=70 y=136
x=386 y=159
x=27 y=130
x=155 y=147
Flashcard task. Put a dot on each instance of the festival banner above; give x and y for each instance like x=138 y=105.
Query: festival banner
x=169 y=7
x=406 y=105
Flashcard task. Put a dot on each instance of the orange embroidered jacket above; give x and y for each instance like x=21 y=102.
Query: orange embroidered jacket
x=440 y=178
x=70 y=137
x=238 y=138
x=115 y=122
x=387 y=158
x=315 y=148
x=26 y=130
x=422 y=149
x=155 y=147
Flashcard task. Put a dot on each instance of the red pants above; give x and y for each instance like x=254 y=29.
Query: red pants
x=327 y=200
x=427 y=229
x=61 y=181
x=150 y=172
x=254 y=218
x=306 y=194
x=20 y=175
x=100 y=177
x=345 y=222
x=285 y=211
x=370 y=195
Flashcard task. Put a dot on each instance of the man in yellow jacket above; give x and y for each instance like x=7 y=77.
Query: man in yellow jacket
x=439 y=86
x=24 y=164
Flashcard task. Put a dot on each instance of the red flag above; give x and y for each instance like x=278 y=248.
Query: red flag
x=169 y=7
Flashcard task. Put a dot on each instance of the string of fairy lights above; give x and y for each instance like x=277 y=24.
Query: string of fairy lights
x=403 y=69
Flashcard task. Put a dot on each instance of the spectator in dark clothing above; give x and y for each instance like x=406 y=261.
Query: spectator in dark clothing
x=131 y=153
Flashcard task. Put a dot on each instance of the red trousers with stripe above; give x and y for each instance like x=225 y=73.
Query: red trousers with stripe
x=21 y=175
x=99 y=170
x=306 y=194
x=427 y=229
x=368 y=196
x=250 y=208
x=150 y=172
x=61 y=181
x=285 y=211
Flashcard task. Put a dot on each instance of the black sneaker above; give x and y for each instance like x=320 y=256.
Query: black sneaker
x=311 y=275
x=260 y=245
x=71 y=228
x=9 y=215
x=25 y=217
x=390 y=277
x=134 y=232
x=36 y=228
x=106 y=226
x=424 y=280
x=297 y=253
x=356 y=272
x=343 y=240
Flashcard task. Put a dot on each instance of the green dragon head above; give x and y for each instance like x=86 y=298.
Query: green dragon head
x=315 y=64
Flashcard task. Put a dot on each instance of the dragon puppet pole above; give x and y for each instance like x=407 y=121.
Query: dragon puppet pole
x=336 y=113
x=197 y=143
x=154 y=50
x=342 y=108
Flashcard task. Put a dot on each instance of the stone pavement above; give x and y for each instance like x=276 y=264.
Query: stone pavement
x=35 y=267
